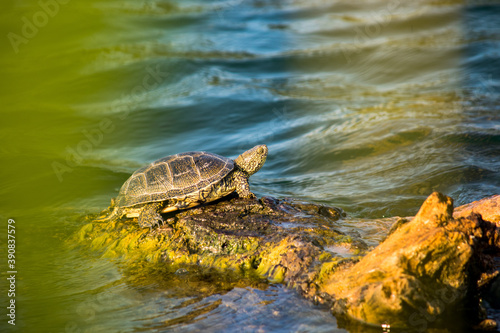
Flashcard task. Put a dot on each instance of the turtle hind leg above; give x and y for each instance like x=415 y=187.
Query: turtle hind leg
x=150 y=215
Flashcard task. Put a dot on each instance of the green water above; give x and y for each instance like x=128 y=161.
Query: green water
x=366 y=106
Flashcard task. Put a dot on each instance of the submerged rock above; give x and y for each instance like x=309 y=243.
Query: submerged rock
x=429 y=267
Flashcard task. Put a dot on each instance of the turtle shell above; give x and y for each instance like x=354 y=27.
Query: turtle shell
x=173 y=177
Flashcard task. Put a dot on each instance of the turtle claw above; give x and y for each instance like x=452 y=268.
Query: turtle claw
x=150 y=216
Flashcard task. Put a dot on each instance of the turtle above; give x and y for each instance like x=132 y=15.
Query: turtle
x=184 y=181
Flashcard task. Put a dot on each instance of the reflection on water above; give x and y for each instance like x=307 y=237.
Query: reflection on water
x=367 y=106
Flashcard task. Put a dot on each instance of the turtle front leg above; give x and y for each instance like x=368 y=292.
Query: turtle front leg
x=150 y=215
x=242 y=186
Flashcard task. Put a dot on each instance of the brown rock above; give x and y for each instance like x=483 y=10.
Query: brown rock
x=489 y=208
x=426 y=269
x=487 y=325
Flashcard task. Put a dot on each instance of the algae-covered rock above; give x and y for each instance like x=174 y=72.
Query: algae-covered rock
x=280 y=240
x=429 y=267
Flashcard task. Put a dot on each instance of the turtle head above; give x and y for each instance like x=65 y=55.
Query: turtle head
x=252 y=160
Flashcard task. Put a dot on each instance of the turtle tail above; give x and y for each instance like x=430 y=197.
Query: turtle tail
x=115 y=213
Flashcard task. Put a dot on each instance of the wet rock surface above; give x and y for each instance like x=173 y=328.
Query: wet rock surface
x=284 y=241
x=489 y=208
x=428 y=268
